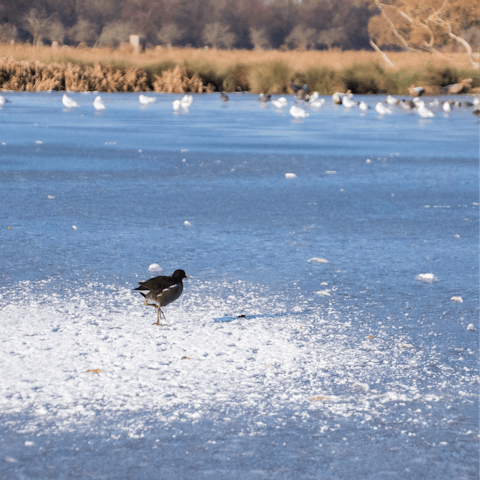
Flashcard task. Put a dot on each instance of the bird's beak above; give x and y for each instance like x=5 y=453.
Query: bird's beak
x=186 y=277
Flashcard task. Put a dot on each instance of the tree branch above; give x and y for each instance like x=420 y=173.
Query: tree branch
x=460 y=40
x=375 y=47
x=392 y=26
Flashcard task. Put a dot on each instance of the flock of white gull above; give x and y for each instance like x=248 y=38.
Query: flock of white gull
x=313 y=101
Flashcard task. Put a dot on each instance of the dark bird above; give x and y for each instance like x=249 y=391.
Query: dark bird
x=476 y=111
x=300 y=92
x=162 y=290
x=264 y=97
x=224 y=97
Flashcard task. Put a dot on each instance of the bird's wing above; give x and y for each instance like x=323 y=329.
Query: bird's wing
x=294 y=87
x=157 y=283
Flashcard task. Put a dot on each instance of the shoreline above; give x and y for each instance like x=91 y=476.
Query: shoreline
x=28 y=68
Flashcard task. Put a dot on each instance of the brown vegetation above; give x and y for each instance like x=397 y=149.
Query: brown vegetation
x=28 y=68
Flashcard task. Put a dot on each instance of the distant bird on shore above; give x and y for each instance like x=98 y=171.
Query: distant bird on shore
x=162 y=291
x=98 y=103
x=69 y=102
x=447 y=107
x=363 y=106
x=3 y=101
x=186 y=102
x=381 y=109
x=297 y=112
x=317 y=103
x=423 y=111
x=224 y=97
x=391 y=100
x=337 y=98
x=407 y=104
x=264 y=97
x=416 y=91
x=144 y=100
x=476 y=111
x=280 y=103
x=347 y=102
x=300 y=92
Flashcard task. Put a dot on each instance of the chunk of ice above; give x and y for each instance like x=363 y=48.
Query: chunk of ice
x=154 y=267
x=426 y=277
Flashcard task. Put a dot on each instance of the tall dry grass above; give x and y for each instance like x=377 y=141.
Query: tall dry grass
x=24 y=67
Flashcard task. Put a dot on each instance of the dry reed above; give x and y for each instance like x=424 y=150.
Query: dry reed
x=24 y=67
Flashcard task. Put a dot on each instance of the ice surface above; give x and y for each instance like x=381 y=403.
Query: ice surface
x=259 y=374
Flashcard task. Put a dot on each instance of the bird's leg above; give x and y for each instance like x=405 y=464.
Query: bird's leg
x=159 y=312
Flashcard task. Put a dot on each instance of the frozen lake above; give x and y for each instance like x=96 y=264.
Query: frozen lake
x=347 y=363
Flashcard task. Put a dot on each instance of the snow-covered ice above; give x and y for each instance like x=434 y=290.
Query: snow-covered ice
x=303 y=345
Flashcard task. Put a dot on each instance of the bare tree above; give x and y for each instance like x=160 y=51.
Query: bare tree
x=8 y=32
x=169 y=34
x=218 y=36
x=332 y=37
x=85 y=31
x=259 y=38
x=37 y=22
x=424 y=24
x=56 y=31
x=114 y=33
x=302 y=38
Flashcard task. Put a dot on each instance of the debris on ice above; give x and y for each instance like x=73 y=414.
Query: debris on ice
x=319 y=260
x=154 y=267
x=290 y=175
x=187 y=223
x=323 y=293
x=457 y=299
x=471 y=328
x=74 y=227
x=364 y=386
